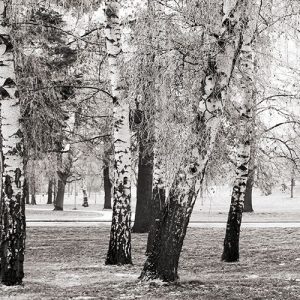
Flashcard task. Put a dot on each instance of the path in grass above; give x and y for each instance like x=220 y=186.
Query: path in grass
x=68 y=263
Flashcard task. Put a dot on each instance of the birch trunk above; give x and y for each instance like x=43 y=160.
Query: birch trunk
x=162 y=261
x=253 y=152
x=12 y=207
x=246 y=82
x=119 y=251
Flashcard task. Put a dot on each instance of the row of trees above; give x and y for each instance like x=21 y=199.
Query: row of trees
x=182 y=85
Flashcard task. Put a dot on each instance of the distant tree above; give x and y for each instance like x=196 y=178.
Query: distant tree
x=50 y=191
x=85 y=202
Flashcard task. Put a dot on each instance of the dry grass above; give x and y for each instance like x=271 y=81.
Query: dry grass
x=68 y=263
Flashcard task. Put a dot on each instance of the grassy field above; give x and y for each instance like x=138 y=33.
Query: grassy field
x=68 y=263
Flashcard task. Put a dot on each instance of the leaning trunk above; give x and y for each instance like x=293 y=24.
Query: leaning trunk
x=231 y=241
x=171 y=224
x=170 y=230
x=12 y=204
x=119 y=251
x=246 y=67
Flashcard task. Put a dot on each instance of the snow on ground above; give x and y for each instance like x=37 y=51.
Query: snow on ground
x=213 y=207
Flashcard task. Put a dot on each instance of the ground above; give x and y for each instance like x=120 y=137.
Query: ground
x=68 y=263
x=65 y=259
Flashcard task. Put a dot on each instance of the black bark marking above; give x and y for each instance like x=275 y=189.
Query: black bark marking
x=110 y=12
x=85 y=199
x=18 y=174
x=4 y=93
x=9 y=83
x=6 y=41
x=8 y=187
x=193 y=169
x=242 y=168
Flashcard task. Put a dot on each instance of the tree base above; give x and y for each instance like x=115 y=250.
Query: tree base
x=58 y=208
x=10 y=278
x=115 y=262
x=148 y=275
x=230 y=256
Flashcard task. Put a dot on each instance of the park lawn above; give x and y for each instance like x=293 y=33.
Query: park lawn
x=68 y=263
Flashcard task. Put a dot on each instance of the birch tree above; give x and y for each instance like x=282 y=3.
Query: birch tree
x=119 y=251
x=12 y=203
x=245 y=65
x=247 y=145
x=163 y=259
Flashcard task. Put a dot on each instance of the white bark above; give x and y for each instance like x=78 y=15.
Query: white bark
x=119 y=252
x=12 y=206
x=245 y=76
